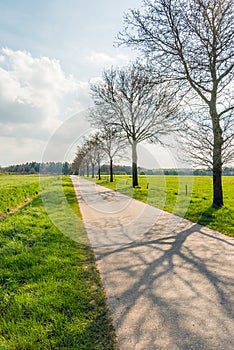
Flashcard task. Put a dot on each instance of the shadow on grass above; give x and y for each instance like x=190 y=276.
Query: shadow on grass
x=209 y=216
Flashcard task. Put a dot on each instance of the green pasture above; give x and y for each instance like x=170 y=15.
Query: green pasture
x=51 y=295
x=187 y=196
x=16 y=190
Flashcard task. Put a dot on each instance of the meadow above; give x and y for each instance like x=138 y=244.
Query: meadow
x=51 y=295
x=16 y=190
x=186 y=196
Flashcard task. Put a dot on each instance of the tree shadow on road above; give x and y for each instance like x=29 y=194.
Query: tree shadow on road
x=172 y=288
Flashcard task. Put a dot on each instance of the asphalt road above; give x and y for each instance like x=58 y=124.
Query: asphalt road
x=169 y=282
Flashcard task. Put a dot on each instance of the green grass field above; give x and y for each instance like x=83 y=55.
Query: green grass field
x=16 y=190
x=51 y=296
x=187 y=196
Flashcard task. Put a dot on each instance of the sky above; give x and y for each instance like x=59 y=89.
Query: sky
x=50 y=52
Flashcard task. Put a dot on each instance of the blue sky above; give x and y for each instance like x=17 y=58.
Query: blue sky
x=69 y=30
x=50 y=51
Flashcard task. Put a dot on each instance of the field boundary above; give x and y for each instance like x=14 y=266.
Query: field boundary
x=14 y=210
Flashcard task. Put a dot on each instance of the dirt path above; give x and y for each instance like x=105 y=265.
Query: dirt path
x=169 y=282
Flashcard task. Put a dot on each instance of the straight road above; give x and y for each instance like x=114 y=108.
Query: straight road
x=169 y=282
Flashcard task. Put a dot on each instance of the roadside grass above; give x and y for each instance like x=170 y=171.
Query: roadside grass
x=16 y=190
x=51 y=295
x=186 y=196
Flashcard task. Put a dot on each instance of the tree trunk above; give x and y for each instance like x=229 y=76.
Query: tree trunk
x=134 y=164
x=93 y=172
x=99 y=171
x=87 y=168
x=111 y=170
x=217 y=162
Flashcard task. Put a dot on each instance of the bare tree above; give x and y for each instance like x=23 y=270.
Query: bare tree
x=93 y=151
x=78 y=162
x=197 y=143
x=82 y=161
x=89 y=153
x=96 y=152
x=128 y=99
x=191 y=42
x=112 y=143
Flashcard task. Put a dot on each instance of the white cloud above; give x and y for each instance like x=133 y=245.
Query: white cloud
x=102 y=59
x=33 y=83
x=36 y=90
x=36 y=97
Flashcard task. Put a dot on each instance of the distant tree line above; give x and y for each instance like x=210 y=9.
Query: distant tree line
x=35 y=168
x=65 y=168
x=127 y=170
x=196 y=172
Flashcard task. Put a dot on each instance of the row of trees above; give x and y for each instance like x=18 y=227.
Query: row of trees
x=190 y=44
x=96 y=149
x=184 y=86
x=139 y=107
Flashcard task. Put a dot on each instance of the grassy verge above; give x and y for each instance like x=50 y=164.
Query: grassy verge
x=51 y=296
x=187 y=196
x=16 y=190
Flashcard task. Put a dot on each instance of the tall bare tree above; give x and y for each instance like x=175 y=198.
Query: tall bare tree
x=191 y=42
x=128 y=99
